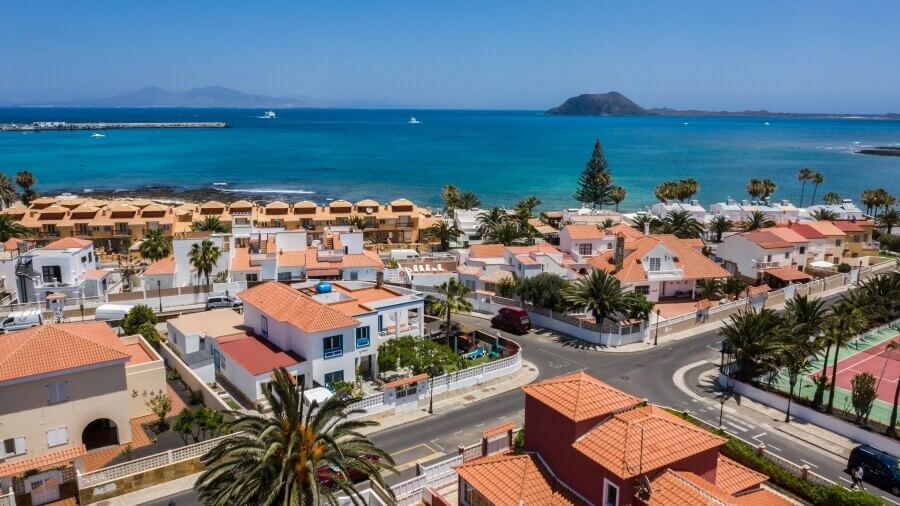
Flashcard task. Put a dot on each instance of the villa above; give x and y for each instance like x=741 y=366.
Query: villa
x=483 y=266
x=66 y=268
x=858 y=242
x=692 y=208
x=846 y=210
x=774 y=211
x=589 y=443
x=765 y=256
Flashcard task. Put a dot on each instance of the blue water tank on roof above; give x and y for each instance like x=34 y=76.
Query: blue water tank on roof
x=323 y=287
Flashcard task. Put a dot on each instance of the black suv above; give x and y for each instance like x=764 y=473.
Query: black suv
x=879 y=467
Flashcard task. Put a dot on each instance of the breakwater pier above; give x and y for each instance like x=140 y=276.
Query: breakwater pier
x=40 y=126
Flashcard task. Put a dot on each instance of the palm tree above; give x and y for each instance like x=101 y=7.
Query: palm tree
x=203 y=256
x=10 y=228
x=443 y=231
x=803 y=176
x=489 y=219
x=686 y=188
x=831 y=198
x=26 y=181
x=7 y=191
x=450 y=195
x=273 y=459
x=888 y=219
x=617 y=194
x=719 y=226
x=599 y=293
x=607 y=223
x=155 y=245
x=733 y=287
x=755 y=188
x=210 y=224
x=794 y=355
x=755 y=221
x=803 y=311
x=357 y=222
x=817 y=178
x=506 y=233
x=754 y=336
x=710 y=288
x=667 y=190
x=453 y=298
x=846 y=321
x=870 y=199
x=824 y=215
x=768 y=188
x=882 y=292
x=468 y=200
x=681 y=224
x=529 y=203
x=643 y=220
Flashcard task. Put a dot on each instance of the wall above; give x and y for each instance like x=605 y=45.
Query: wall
x=143 y=380
x=857 y=434
x=210 y=399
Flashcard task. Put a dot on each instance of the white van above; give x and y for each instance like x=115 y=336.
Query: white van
x=19 y=320
x=403 y=254
x=112 y=312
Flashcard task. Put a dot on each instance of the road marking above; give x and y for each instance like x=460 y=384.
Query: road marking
x=888 y=499
x=678 y=380
x=457 y=433
x=479 y=425
x=810 y=464
x=435 y=443
x=736 y=427
x=761 y=434
x=845 y=479
x=770 y=445
x=745 y=426
x=564 y=358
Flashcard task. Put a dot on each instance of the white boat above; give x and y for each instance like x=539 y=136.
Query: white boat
x=97 y=136
x=268 y=115
x=220 y=184
x=413 y=120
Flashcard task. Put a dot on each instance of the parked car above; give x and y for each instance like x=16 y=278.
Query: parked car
x=112 y=312
x=879 y=468
x=19 y=320
x=512 y=319
x=216 y=301
x=327 y=474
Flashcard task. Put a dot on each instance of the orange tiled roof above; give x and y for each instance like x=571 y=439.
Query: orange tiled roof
x=364 y=259
x=487 y=251
x=762 y=497
x=542 y=247
x=676 y=488
x=495 y=276
x=96 y=273
x=514 y=480
x=788 y=234
x=643 y=439
x=164 y=266
x=765 y=239
x=284 y=304
x=625 y=230
x=825 y=228
x=787 y=274
x=584 y=232
x=733 y=477
x=693 y=262
x=57 y=347
x=11 y=244
x=496 y=430
x=580 y=396
x=240 y=261
x=68 y=242
x=42 y=461
x=469 y=270
x=292 y=258
x=804 y=229
x=851 y=225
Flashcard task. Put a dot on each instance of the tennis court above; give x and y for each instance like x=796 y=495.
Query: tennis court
x=878 y=361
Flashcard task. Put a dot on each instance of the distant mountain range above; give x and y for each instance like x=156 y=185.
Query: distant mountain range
x=616 y=104
x=208 y=96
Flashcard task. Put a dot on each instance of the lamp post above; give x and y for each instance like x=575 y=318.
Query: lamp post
x=159 y=293
x=656 y=336
x=727 y=349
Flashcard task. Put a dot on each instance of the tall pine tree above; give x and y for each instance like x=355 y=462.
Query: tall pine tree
x=595 y=184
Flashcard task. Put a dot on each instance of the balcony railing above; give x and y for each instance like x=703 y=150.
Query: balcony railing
x=665 y=274
x=766 y=265
x=363 y=342
x=329 y=255
x=872 y=245
x=404 y=329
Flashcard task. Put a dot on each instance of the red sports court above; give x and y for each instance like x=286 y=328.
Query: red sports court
x=874 y=360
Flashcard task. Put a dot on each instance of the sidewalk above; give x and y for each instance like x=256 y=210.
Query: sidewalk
x=153 y=493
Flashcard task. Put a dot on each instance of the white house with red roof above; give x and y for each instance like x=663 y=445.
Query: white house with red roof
x=763 y=255
x=322 y=332
x=66 y=389
x=483 y=266
x=585 y=241
x=66 y=266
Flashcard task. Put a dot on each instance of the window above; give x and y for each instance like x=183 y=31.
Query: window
x=331 y=377
x=768 y=258
x=264 y=326
x=584 y=249
x=13 y=446
x=334 y=346
x=57 y=391
x=837 y=242
x=56 y=437
x=284 y=276
x=610 y=493
x=644 y=289
x=654 y=263
x=51 y=273
x=802 y=249
x=787 y=254
x=83 y=259
x=354 y=275
x=362 y=337
x=252 y=277
x=380 y=323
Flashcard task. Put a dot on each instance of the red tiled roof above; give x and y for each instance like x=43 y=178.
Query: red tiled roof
x=364 y=259
x=762 y=498
x=57 y=347
x=159 y=267
x=580 y=396
x=788 y=234
x=851 y=225
x=487 y=251
x=11 y=244
x=292 y=258
x=625 y=230
x=405 y=381
x=514 y=480
x=255 y=354
x=68 y=242
x=804 y=229
x=284 y=304
x=496 y=430
x=675 y=488
x=766 y=240
x=584 y=232
x=787 y=274
x=694 y=263
x=643 y=439
x=495 y=276
x=825 y=228
x=733 y=477
x=96 y=273
x=240 y=261
x=42 y=461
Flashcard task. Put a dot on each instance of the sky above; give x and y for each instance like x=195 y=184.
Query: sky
x=791 y=56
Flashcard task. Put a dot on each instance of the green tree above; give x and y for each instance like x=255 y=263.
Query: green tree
x=468 y=200
x=443 y=231
x=817 y=178
x=768 y=188
x=159 y=405
x=453 y=298
x=755 y=188
x=862 y=396
x=8 y=193
x=155 y=245
x=686 y=188
x=882 y=294
x=756 y=221
x=681 y=224
x=754 y=336
x=644 y=220
x=617 y=195
x=528 y=204
x=10 y=228
x=210 y=224
x=824 y=215
x=545 y=290
x=794 y=355
x=667 y=190
x=274 y=458
x=846 y=321
x=831 y=198
x=733 y=286
x=150 y=334
x=719 y=226
x=710 y=288
x=506 y=233
x=489 y=219
x=595 y=182
x=183 y=425
x=137 y=316
x=357 y=222
x=870 y=199
x=888 y=219
x=450 y=196
x=26 y=181
x=892 y=425
x=507 y=287
x=803 y=176
x=204 y=256
x=601 y=294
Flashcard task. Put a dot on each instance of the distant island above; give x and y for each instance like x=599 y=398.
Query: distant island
x=881 y=151
x=617 y=104
x=208 y=96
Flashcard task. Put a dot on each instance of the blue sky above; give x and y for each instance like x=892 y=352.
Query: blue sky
x=801 y=56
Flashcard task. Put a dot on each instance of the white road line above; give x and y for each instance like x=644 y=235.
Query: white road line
x=746 y=425
x=434 y=442
x=564 y=358
x=845 y=479
x=736 y=427
x=457 y=433
x=479 y=425
x=761 y=434
x=810 y=464
x=773 y=447
x=888 y=499
x=678 y=380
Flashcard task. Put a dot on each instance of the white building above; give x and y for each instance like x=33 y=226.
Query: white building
x=760 y=255
x=67 y=266
x=585 y=241
x=191 y=336
x=466 y=221
x=588 y=216
x=483 y=266
x=846 y=210
x=693 y=208
x=9 y=260
x=780 y=211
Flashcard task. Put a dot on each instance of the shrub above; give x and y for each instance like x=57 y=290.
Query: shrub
x=137 y=316
x=149 y=332
x=844 y=267
x=519 y=441
x=862 y=395
x=195 y=397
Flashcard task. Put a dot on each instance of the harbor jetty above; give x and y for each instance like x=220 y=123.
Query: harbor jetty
x=40 y=126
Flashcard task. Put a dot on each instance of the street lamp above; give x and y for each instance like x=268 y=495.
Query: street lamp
x=727 y=349
x=656 y=337
x=159 y=293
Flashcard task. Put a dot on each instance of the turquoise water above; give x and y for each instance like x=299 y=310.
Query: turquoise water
x=501 y=155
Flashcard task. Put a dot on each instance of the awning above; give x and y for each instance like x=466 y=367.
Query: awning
x=787 y=274
x=821 y=264
x=323 y=273
x=42 y=461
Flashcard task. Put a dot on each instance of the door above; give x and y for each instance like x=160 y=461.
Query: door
x=44 y=487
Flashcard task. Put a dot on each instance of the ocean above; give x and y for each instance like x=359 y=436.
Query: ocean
x=322 y=154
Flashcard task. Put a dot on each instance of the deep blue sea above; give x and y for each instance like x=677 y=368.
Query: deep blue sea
x=501 y=155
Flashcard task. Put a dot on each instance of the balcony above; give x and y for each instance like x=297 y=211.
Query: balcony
x=329 y=255
x=871 y=245
x=405 y=329
x=363 y=342
x=768 y=265
x=665 y=275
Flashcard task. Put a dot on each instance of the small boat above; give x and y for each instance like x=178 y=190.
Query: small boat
x=268 y=115
x=767 y=123
x=96 y=135
x=685 y=123
x=413 y=120
x=220 y=184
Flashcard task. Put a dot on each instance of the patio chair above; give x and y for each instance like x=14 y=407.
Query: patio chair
x=440 y=267
x=428 y=268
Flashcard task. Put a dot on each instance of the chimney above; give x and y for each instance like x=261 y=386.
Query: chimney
x=619 y=252
x=646 y=228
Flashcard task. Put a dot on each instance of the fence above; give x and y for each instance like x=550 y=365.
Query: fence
x=8 y=499
x=190 y=378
